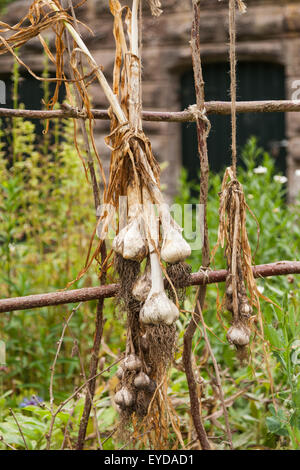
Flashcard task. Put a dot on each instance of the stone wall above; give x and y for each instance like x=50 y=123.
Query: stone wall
x=270 y=31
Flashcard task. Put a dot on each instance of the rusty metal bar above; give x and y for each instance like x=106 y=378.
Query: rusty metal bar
x=280 y=268
x=212 y=107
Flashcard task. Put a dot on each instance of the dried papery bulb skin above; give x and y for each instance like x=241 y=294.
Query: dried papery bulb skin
x=130 y=241
x=229 y=304
x=229 y=290
x=124 y=398
x=245 y=309
x=239 y=335
x=120 y=373
x=142 y=286
x=174 y=247
x=119 y=409
x=144 y=344
x=158 y=308
x=142 y=381
x=152 y=387
x=132 y=362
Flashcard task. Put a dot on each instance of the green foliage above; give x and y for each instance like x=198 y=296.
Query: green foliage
x=35 y=421
x=278 y=240
x=46 y=220
x=4 y=4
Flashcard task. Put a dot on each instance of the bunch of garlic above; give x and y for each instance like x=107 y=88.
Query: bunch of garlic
x=125 y=397
x=239 y=333
x=140 y=238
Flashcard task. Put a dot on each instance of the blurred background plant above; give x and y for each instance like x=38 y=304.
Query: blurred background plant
x=3 y=4
x=46 y=222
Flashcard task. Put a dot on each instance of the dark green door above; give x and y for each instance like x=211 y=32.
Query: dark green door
x=30 y=94
x=256 y=81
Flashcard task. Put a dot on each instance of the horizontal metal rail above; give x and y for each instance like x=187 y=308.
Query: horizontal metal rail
x=212 y=107
x=280 y=268
x=91 y=293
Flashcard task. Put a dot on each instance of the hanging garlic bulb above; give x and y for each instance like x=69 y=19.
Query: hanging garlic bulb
x=142 y=381
x=158 y=308
x=238 y=335
x=124 y=398
x=142 y=286
x=130 y=242
x=245 y=309
x=174 y=247
x=132 y=362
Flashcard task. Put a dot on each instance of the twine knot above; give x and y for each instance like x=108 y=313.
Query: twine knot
x=200 y=114
x=205 y=270
x=241 y=6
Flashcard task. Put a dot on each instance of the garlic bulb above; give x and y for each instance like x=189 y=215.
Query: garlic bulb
x=141 y=381
x=238 y=335
x=229 y=290
x=132 y=362
x=245 y=309
x=130 y=242
x=124 y=398
x=142 y=286
x=174 y=247
x=158 y=308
